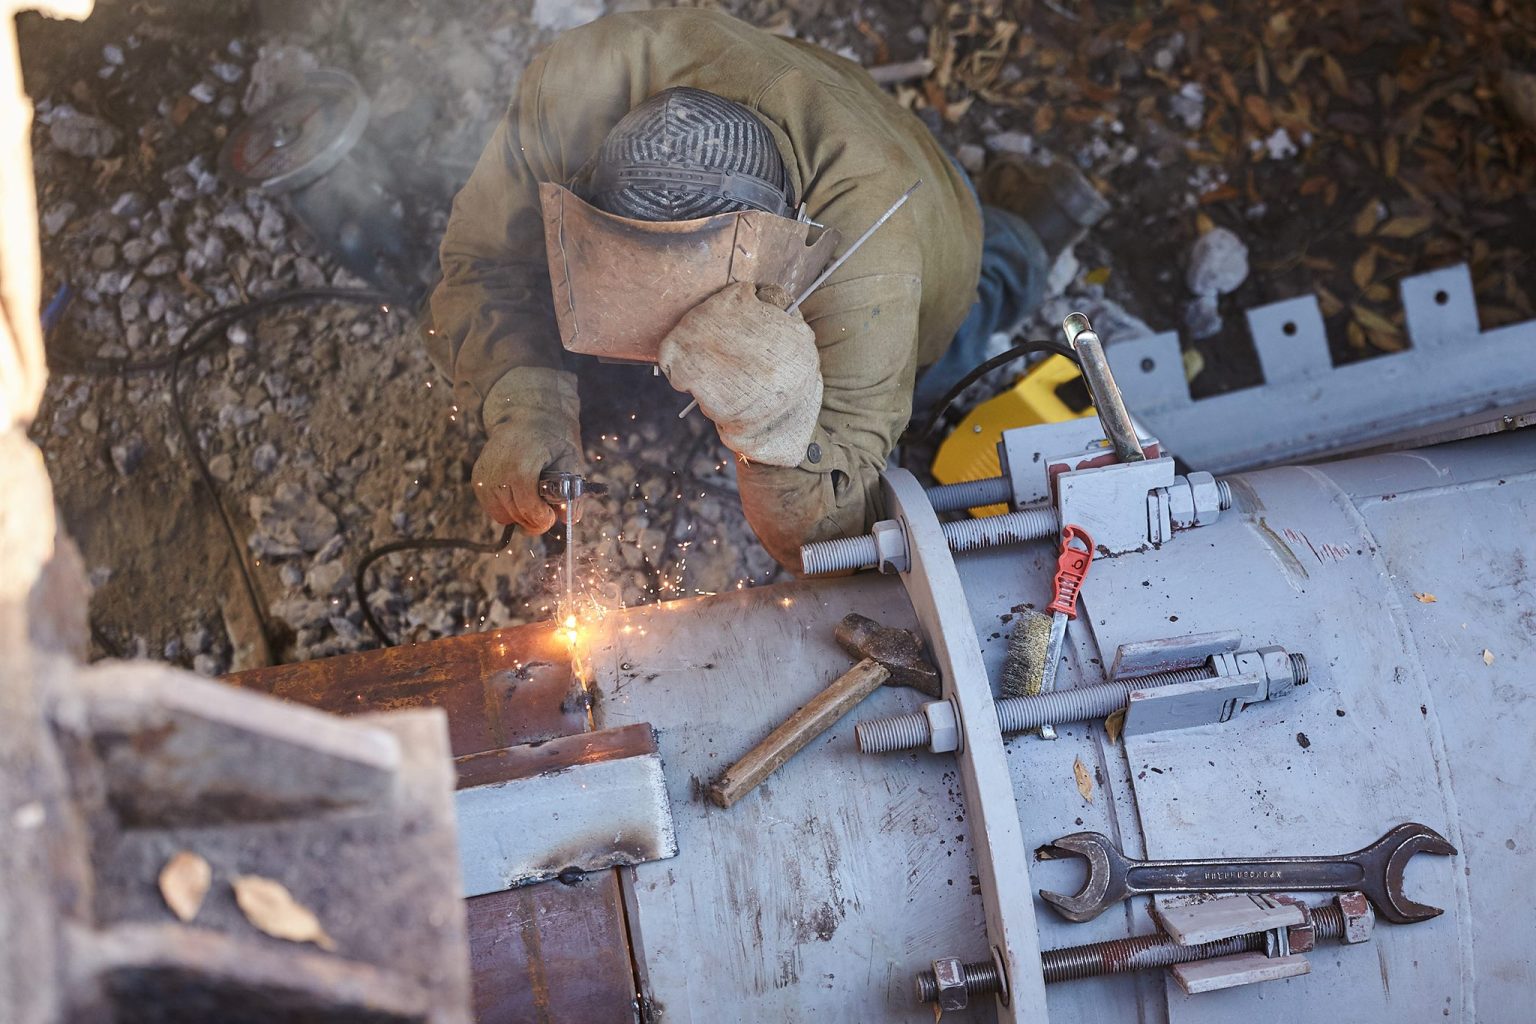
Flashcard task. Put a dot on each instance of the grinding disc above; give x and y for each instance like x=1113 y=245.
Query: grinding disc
x=300 y=137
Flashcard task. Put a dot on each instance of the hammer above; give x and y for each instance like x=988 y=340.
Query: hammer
x=893 y=656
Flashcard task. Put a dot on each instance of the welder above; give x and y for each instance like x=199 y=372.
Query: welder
x=637 y=122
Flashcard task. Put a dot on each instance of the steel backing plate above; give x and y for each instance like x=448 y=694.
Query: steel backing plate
x=299 y=137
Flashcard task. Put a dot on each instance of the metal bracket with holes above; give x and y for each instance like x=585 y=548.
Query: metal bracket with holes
x=1482 y=380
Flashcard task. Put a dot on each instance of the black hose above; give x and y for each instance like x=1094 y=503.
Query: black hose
x=422 y=544
x=938 y=408
x=203 y=332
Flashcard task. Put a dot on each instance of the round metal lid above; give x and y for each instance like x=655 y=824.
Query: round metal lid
x=300 y=136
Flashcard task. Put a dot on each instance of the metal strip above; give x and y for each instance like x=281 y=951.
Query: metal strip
x=1309 y=407
x=584 y=802
x=1002 y=863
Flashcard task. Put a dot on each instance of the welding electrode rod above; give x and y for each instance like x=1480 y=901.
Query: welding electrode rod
x=898 y=204
x=570 y=559
x=1121 y=956
x=1107 y=399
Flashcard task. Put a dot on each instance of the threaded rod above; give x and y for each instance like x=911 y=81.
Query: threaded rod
x=981 y=979
x=1120 y=956
x=1020 y=714
x=1224 y=491
x=847 y=554
x=1139 y=953
x=844 y=554
x=970 y=494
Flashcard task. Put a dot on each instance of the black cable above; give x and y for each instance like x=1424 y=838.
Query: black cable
x=204 y=332
x=1022 y=348
x=422 y=544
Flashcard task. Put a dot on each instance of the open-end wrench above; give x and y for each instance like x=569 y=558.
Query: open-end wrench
x=1377 y=871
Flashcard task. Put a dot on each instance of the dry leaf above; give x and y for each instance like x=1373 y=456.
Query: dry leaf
x=1084 y=779
x=1258 y=109
x=1356 y=335
x=1336 y=78
x=1365 y=268
x=1203 y=222
x=1114 y=725
x=1194 y=363
x=184 y=882
x=1368 y=217
x=272 y=909
x=1405 y=227
x=1424 y=598
x=1391 y=156
x=1374 y=321
x=1487 y=660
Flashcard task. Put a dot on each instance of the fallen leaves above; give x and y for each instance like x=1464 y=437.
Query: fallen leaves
x=271 y=909
x=1114 y=725
x=1368 y=217
x=1334 y=72
x=1364 y=270
x=1084 y=779
x=1487 y=656
x=1424 y=598
x=184 y=882
x=1406 y=227
x=1258 y=109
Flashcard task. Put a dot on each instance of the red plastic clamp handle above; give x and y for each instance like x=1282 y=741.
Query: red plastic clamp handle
x=1071 y=569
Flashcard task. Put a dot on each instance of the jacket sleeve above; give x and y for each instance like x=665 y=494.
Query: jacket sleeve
x=492 y=310
x=866 y=333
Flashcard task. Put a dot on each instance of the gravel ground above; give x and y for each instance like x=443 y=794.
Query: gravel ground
x=1231 y=149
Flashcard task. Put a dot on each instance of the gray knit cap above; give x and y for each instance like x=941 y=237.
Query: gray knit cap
x=686 y=153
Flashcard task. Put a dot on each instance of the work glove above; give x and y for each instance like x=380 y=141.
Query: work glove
x=752 y=367
x=533 y=417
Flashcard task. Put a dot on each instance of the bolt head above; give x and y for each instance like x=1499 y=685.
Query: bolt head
x=943 y=726
x=890 y=546
x=949 y=973
x=1359 y=917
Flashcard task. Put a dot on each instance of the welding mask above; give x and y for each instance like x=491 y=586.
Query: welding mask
x=688 y=193
x=621 y=285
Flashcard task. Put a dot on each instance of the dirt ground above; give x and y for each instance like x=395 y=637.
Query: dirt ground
x=1344 y=144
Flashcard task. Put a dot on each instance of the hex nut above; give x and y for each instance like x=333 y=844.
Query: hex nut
x=1277 y=670
x=1206 y=498
x=1301 y=938
x=1359 y=917
x=890 y=546
x=1182 y=510
x=943 y=726
x=949 y=976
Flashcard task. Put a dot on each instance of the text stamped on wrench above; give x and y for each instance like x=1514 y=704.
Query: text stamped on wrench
x=1376 y=870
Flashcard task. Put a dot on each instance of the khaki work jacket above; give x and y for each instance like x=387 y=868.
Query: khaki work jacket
x=850 y=150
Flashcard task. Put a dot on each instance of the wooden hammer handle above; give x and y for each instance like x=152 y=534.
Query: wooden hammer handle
x=797 y=730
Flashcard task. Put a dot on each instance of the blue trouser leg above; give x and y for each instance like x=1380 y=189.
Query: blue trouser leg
x=1013 y=273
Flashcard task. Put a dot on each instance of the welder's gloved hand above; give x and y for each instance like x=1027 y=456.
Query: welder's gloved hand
x=533 y=417
x=753 y=368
